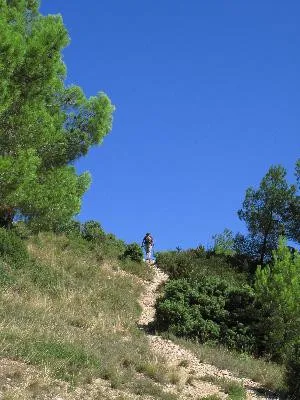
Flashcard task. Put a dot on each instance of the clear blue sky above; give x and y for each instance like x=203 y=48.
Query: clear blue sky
x=207 y=97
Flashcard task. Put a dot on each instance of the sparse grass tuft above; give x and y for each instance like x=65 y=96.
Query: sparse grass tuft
x=184 y=363
x=210 y=397
x=234 y=389
x=144 y=386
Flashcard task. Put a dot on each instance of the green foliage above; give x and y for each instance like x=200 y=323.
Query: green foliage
x=293 y=212
x=193 y=264
x=224 y=243
x=278 y=291
x=297 y=171
x=109 y=247
x=92 y=231
x=210 y=310
x=70 y=228
x=44 y=125
x=265 y=211
x=235 y=390
x=21 y=229
x=134 y=252
x=12 y=249
x=70 y=358
x=292 y=376
x=191 y=311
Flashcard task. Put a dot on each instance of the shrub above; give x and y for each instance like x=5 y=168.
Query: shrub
x=92 y=231
x=12 y=248
x=292 y=376
x=71 y=228
x=241 y=316
x=193 y=264
x=224 y=243
x=109 y=247
x=22 y=229
x=210 y=310
x=134 y=252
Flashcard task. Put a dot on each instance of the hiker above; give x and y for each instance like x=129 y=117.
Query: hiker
x=148 y=244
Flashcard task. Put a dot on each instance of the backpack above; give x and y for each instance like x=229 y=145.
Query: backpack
x=148 y=240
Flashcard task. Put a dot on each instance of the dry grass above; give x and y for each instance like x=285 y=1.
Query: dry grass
x=269 y=375
x=74 y=318
x=233 y=389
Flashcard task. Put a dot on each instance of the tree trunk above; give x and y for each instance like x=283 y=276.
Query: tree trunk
x=263 y=250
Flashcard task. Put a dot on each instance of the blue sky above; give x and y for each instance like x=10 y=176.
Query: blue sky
x=207 y=97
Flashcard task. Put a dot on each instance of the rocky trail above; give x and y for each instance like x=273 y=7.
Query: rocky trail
x=192 y=372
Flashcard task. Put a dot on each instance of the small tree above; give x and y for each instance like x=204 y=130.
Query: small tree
x=265 y=211
x=293 y=212
x=297 y=173
x=224 y=243
x=92 y=231
x=278 y=290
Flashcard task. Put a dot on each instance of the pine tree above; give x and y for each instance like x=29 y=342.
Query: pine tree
x=44 y=125
x=266 y=211
x=278 y=290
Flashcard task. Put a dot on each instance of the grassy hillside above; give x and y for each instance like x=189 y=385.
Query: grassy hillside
x=71 y=312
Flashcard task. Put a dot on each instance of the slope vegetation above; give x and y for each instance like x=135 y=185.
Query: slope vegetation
x=74 y=320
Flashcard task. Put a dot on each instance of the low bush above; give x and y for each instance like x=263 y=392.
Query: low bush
x=134 y=252
x=12 y=249
x=109 y=247
x=92 y=231
x=210 y=310
x=193 y=264
x=70 y=228
x=22 y=229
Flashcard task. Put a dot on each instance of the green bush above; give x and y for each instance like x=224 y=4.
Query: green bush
x=92 y=231
x=292 y=376
x=241 y=318
x=22 y=229
x=109 y=247
x=13 y=249
x=71 y=228
x=134 y=252
x=210 y=310
x=193 y=264
x=224 y=243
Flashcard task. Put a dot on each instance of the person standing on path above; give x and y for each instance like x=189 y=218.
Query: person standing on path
x=148 y=244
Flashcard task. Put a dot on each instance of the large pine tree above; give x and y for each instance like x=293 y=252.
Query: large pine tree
x=44 y=125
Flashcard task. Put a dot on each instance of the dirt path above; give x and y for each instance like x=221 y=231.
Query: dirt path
x=181 y=360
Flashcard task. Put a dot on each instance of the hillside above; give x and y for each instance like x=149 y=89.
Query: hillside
x=74 y=326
